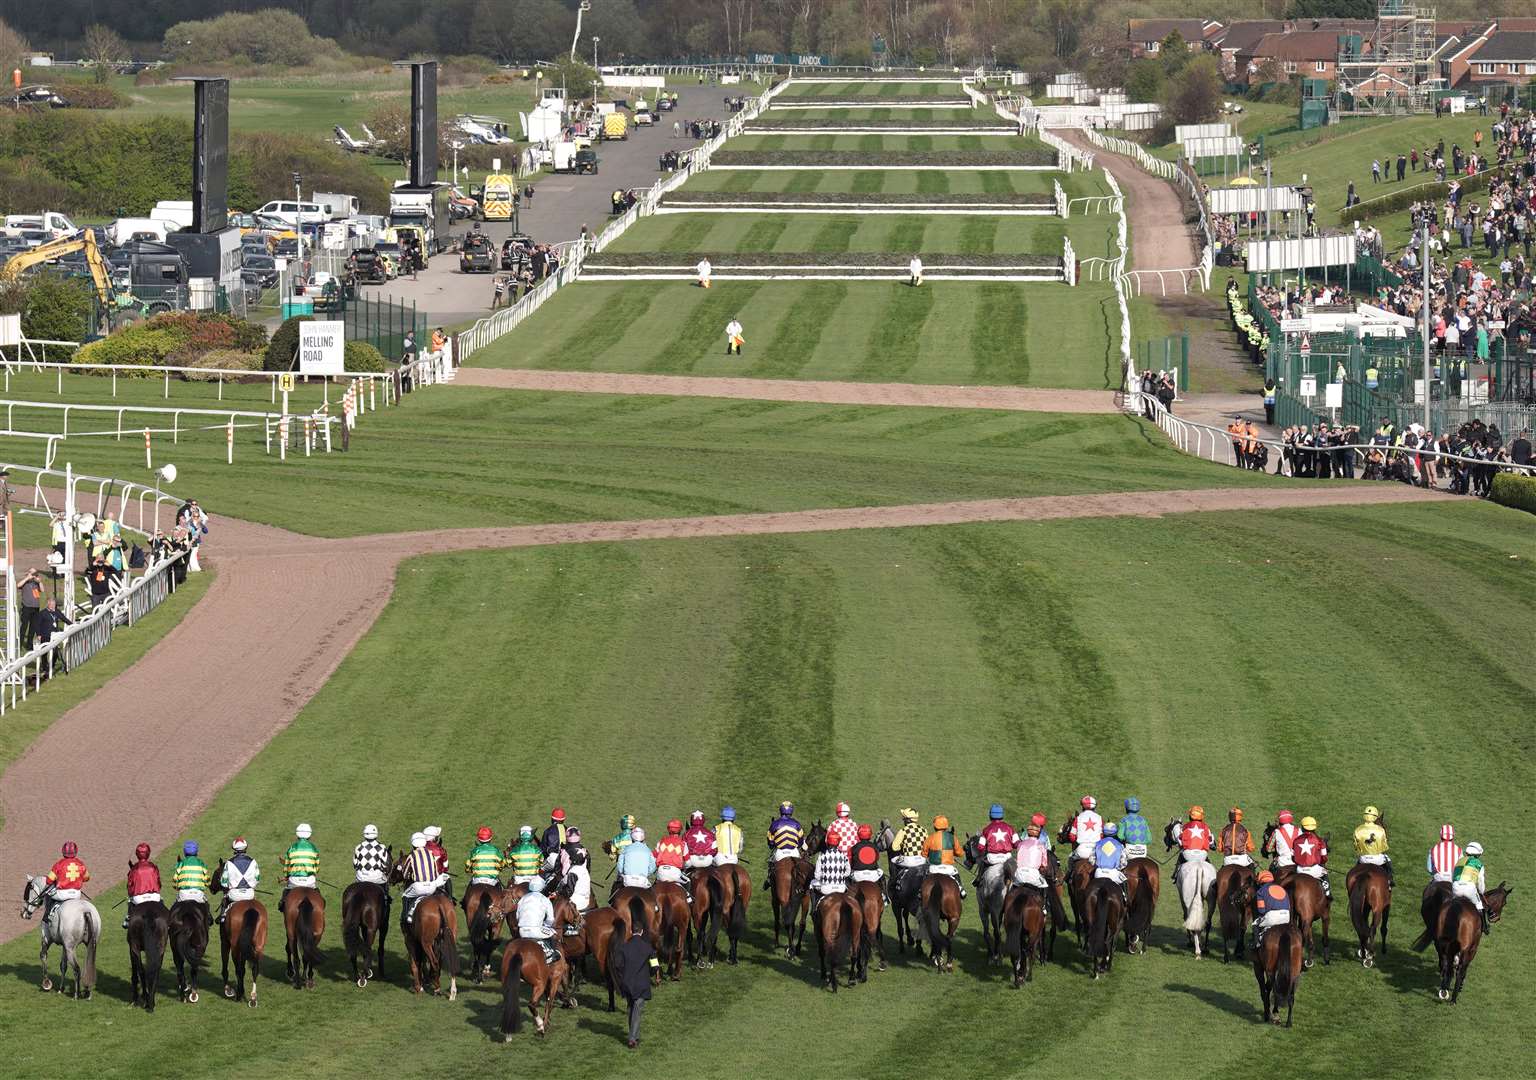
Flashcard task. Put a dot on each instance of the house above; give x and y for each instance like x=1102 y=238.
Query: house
x=1502 y=51
x=1146 y=36
x=1300 y=54
x=1239 y=43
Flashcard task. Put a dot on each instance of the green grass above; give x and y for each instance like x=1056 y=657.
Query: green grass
x=461 y=456
x=830 y=141
x=943 y=668
x=1059 y=336
x=859 y=113
x=871 y=88
x=898 y=182
x=154 y=392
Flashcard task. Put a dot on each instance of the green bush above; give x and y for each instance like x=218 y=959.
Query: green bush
x=363 y=357
x=1515 y=489
x=137 y=345
x=284 y=343
x=53 y=308
x=227 y=359
x=27 y=187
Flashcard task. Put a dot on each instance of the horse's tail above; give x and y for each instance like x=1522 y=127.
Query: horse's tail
x=154 y=946
x=842 y=944
x=92 y=938
x=352 y=923
x=511 y=991
x=933 y=912
x=1285 y=983
x=1140 y=914
x=308 y=946
x=245 y=944
x=637 y=913
x=1098 y=930
x=717 y=913
x=480 y=919
x=1014 y=928
x=1357 y=909
x=737 y=925
x=447 y=947
x=1421 y=942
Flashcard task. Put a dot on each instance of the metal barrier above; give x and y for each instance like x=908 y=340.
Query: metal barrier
x=164 y=373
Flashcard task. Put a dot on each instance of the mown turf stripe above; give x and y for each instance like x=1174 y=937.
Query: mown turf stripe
x=622 y=306
x=801 y=183
x=867 y=182
x=764 y=233
x=905 y=234
x=893 y=345
x=835 y=233
x=705 y=322
x=978 y=236
x=932 y=183
x=1000 y=340
x=689 y=232
x=920 y=142
x=995 y=183
x=745 y=180
x=813 y=308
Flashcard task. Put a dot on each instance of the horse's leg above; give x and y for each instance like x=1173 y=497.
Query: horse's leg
x=1327 y=917
x=1386 y=912
x=224 y=961
x=1461 y=977
x=1263 y=991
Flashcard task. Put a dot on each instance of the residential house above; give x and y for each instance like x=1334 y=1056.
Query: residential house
x=1146 y=36
x=1502 y=51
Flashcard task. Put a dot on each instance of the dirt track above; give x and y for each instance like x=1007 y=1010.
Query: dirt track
x=158 y=742
x=828 y=393
x=1160 y=239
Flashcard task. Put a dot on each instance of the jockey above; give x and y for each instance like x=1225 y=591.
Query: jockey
x=578 y=879
x=1135 y=833
x=843 y=831
x=524 y=856
x=423 y=876
x=536 y=920
x=997 y=840
x=728 y=838
x=434 y=835
x=907 y=846
x=671 y=853
x=1312 y=854
x=1109 y=857
x=554 y=837
x=1283 y=840
x=621 y=839
x=573 y=845
x=1235 y=842
x=484 y=862
x=1033 y=855
x=301 y=862
x=940 y=847
x=1087 y=829
x=1468 y=880
x=864 y=857
x=240 y=877
x=1371 y=842
x=785 y=839
x=65 y=878
x=831 y=873
x=143 y=880
x=699 y=841
x=1272 y=905
x=1444 y=856
x=1195 y=837
x=370 y=859
x=190 y=876
x=636 y=863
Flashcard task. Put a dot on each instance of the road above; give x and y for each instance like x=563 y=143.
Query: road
x=562 y=204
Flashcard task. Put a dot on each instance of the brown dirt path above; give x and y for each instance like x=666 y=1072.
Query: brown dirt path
x=828 y=393
x=144 y=756
x=1160 y=238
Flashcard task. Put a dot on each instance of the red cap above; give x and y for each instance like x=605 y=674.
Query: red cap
x=557 y=814
x=70 y=849
x=142 y=851
x=1285 y=817
x=484 y=834
x=1037 y=819
x=674 y=826
x=865 y=832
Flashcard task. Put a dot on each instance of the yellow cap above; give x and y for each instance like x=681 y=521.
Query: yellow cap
x=1309 y=824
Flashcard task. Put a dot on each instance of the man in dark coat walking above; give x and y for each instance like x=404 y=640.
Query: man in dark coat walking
x=634 y=961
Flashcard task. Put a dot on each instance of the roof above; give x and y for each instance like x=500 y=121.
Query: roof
x=1306 y=45
x=1243 y=36
x=1505 y=45
x=1158 y=29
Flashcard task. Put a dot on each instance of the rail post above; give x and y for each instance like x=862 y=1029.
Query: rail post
x=229 y=442
x=148 y=463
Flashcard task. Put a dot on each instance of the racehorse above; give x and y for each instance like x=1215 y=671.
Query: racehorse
x=991 y=888
x=675 y=922
x=940 y=901
x=479 y=903
x=1277 y=965
x=1143 y=882
x=871 y=903
x=1309 y=903
x=1235 y=886
x=246 y=920
x=1196 y=881
x=736 y=919
x=716 y=907
x=1103 y=909
x=640 y=903
x=75 y=925
x=839 y=938
x=149 y=926
x=304 y=922
x=189 y=942
x=1457 y=934
x=1079 y=877
x=364 y=921
x=599 y=934
x=526 y=960
x=1024 y=921
x=788 y=879
x=1370 y=905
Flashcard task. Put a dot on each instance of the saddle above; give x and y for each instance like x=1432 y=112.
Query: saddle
x=552 y=954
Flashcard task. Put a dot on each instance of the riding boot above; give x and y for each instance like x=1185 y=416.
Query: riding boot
x=1482 y=915
x=281 y=900
x=1390 y=882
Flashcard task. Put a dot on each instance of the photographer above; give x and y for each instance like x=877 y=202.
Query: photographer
x=29 y=596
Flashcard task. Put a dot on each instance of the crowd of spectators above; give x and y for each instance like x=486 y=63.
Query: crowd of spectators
x=1463 y=461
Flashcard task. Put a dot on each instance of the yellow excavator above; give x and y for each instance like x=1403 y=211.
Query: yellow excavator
x=119 y=307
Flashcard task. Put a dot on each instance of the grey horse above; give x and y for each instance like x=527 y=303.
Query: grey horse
x=72 y=924
x=992 y=881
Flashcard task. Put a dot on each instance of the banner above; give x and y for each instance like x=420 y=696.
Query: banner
x=1269 y=255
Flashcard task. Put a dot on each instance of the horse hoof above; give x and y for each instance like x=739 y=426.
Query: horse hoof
x=881 y=966
x=47 y=985
x=192 y=998
x=362 y=981
x=1369 y=961
x=506 y=1038
x=252 y=1003
x=229 y=992
x=1306 y=965
x=309 y=984
x=1444 y=995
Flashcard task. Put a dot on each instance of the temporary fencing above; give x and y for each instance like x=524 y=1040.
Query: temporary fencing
x=137 y=373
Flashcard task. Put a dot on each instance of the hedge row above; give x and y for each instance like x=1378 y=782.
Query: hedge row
x=814 y=258
x=836 y=198
x=834 y=125
x=876 y=159
x=1516 y=490
x=1403 y=198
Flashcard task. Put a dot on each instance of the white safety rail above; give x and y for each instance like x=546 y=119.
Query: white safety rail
x=1068 y=261
x=136 y=374
x=855 y=127
x=887 y=103
x=1063 y=208
x=977 y=98
x=1166 y=170
x=1068 y=157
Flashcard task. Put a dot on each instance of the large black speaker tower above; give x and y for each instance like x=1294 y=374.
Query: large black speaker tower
x=423 y=123
x=210 y=156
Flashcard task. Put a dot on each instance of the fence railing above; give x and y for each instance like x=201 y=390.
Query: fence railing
x=139 y=372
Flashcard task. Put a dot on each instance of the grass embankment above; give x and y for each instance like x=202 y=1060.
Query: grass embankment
x=941 y=668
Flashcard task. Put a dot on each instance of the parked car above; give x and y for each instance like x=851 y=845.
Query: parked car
x=370 y=267
x=287 y=248
x=259 y=268
x=585 y=161
x=477 y=256
x=293 y=213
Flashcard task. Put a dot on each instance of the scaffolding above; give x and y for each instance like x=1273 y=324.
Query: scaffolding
x=1393 y=73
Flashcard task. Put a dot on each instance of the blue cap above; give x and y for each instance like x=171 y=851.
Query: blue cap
x=536 y=885
x=189 y=848
x=728 y=814
x=1132 y=805
x=996 y=812
x=1110 y=828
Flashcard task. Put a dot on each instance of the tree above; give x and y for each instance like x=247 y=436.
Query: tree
x=1194 y=95
x=1174 y=53
x=1331 y=9
x=13 y=50
x=105 y=50
x=1144 y=81
x=577 y=78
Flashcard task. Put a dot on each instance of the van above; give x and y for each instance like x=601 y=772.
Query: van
x=335 y=204
x=123 y=230
x=615 y=126
x=293 y=213
x=50 y=221
x=176 y=213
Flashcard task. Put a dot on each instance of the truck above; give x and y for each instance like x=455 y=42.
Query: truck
x=615 y=126
x=424 y=209
x=562 y=156
x=176 y=213
x=125 y=229
x=49 y=221
x=496 y=197
x=335 y=205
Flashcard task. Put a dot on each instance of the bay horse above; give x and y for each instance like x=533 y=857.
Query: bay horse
x=789 y=879
x=1196 y=881
x=1024 y=921
x=304 y=922
x=1104 y=910
x=941 y=908
x=1079 y=876
x=839 y=938
x=1370 y=906
x=149 y=927
x=432 y=944
x=602 y=929
x=189 y=922
x=1277 y=965
x=480 y=904
x=1458 y=933
x=364 y=922
x=991 y=889
x=640 y=903
x=1143 y=882
x=1309 y=904
x=675 y=923
x=871 y=903
x=1235 y=888
x=522 y=960
x=75 y=926
x=736 y=920
x=242 y=931
x=714 y=909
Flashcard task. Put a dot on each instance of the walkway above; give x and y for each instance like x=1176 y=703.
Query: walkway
x=157 y=743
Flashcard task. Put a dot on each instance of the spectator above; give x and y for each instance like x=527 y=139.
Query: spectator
x=29 y=593
x=634 y=962
x=50 y=620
